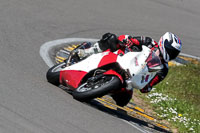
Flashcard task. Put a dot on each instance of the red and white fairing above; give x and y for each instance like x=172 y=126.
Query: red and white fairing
x=73 y=74
x=136 y=63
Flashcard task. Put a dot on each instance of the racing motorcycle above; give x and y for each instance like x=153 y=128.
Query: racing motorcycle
x=104 y=73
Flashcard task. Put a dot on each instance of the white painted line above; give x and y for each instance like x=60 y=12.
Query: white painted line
x=130 y=123
x=46 y=47
x=190 y=56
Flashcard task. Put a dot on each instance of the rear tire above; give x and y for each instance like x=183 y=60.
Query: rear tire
x=53 y=74
x=88 y=91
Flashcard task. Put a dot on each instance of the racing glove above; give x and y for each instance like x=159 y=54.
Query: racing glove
x=132 y=44
x=147 y=41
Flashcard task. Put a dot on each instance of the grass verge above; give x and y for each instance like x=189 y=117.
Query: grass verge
x=177 y=98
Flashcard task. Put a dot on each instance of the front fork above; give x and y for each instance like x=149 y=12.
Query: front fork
x=128 y=82
x=129 y=85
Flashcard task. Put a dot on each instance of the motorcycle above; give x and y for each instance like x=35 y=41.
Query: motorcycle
x=105 y=73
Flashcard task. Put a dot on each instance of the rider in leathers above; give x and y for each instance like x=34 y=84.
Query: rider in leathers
x=168 y=48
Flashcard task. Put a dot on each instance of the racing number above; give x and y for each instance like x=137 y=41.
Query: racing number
x=145 y=78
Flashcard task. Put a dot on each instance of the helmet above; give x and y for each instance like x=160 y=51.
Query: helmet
x=108 y=41
x=170 y=46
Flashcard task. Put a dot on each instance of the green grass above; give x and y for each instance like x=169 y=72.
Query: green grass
x=177 y=98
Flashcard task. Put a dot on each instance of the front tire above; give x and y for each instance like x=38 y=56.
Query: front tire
x=103 y=86
x=53 y=74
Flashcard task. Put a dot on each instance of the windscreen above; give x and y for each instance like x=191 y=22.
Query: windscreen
x=153 y=62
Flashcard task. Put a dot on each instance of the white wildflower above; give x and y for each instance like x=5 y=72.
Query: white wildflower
x=184 y=118
x=170 y=112
x=180 y=120
x=153 y=89
x=173 y=111
x=174 y=119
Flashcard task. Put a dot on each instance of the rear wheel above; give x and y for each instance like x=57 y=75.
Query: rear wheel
x=53 y=73
x=98 y=88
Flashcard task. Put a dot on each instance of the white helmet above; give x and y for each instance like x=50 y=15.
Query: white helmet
x=170 y=46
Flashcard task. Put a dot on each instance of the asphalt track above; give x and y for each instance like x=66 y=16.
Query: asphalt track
x=28 y=104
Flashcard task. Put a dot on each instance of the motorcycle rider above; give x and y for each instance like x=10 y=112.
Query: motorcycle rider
x=108 y=41
x=168 y=49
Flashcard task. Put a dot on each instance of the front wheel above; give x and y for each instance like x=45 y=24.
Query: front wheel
x=53 y=73
x=102 y=86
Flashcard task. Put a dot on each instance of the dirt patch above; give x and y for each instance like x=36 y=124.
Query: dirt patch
x=137 y=99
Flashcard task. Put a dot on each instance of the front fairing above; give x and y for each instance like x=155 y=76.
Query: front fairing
x=137 y=65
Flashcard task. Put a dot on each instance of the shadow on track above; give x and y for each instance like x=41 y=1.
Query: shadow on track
x=124 y=116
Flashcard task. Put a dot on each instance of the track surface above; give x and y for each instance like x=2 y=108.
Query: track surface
x=27 y=102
